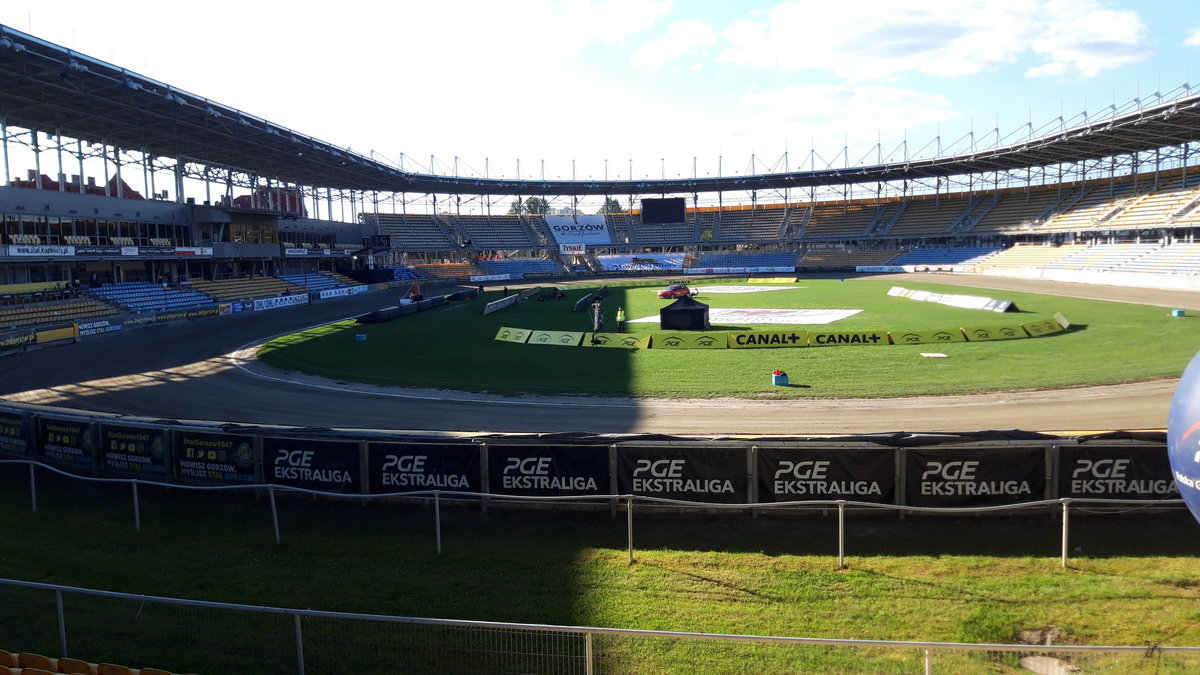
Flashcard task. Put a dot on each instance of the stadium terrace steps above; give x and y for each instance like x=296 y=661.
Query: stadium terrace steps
x=140 y=296
x=247 y=288
x=50 y=312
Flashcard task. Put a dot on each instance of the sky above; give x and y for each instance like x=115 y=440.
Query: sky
x=562 y=89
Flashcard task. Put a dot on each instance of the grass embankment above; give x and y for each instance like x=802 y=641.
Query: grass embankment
x=453 y=347
x=1134 y=580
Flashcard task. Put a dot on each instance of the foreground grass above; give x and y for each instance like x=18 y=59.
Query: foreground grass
x=1134 y=580
x=453 y=348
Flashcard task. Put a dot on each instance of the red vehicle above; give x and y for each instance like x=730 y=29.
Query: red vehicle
x=675 y=291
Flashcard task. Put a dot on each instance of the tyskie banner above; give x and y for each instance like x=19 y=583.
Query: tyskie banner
x=214 y=459
x=803 y=474
x=1123 y=472
x=134 y=452
x=974 y=477
x=326 y=466
x=548 y=471
x=690 y=474
x=423 y=467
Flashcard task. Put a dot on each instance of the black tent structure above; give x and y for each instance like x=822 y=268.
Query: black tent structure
x=684 y=314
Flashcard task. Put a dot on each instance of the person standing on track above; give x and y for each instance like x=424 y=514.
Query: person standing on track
x=620 y=319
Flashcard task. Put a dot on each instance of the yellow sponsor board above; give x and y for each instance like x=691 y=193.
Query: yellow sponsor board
x=616 y=340
x=985 y=333
x=925 y=337
x=58 y=334
x=768 y=339
x=554 y=337
x=840 y=338
x=507 y=334
x=1043 y=327
x=775 y=280
x=689 y=340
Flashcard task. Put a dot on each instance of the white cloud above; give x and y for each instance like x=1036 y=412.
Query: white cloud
x=1193 y=38
x=1078 y=37
x=684 y=38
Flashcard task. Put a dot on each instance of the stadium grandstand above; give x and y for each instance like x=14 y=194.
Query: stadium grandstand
x=199 y=210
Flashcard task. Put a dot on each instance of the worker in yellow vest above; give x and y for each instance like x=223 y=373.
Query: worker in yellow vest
x=620 y=319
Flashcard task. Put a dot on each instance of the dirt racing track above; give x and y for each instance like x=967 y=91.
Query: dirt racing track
x=206 y=370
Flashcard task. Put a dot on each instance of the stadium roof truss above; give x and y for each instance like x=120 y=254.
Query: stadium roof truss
x=50 y=88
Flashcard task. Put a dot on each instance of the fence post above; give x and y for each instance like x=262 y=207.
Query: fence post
x=274 y=513
x=1066 y=533
x=437 y=521
x=299 y=646
x=589 y=668
x=62 y=622
x=629 y=526
x=137 y=510
x=928 y=663
x=841 y=503
x=33 y=487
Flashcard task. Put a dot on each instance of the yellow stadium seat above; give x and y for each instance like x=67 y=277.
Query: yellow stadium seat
x=30 y=660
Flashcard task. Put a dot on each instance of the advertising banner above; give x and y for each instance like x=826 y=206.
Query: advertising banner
x=97 y=250
x=1115 y=473
x=555 y=337
x=134 y=452
x=579 y=229
x=616 y=340
x=342 y=292
x=326 y=466
x=68 y=444
x=688 y=340
x=914 y=337
x=974 y=477
x=98 y=328
x=801 y=474
x=14 y=435
x=518 y=335
x=548 y=470
x=194 y=313
x=822 y=339
x=280 y=301
x=716 y=475
x=878 y=268
x=213 y=459
x=768 y=339
x=12 y=340
x=421 y=467
x=40 y=251
x=490 y=277
x=1044 y=327
x=994 y=333
x=572 y=249
x=69 y=333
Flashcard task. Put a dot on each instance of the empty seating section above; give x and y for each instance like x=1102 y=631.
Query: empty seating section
x=971 y=255
x=1032 y=255
x=1160 y=207
x=141 y=296
x=1170 y=259
x=1102 y=256
x=619 y=225
x=446 y=270
x=520 y=267
x=842 y=220
x=664 y=234
x=49 y=312
x=762 y=224
x=496 y=232
x=844 y=258
x=928 y=216
x=1085 y=213
x=28 y=663
x=402 y=273
x=317 y=282
x=764 y=259
x=1016 y=211
x=414 y=232
x=641 y=261
x=246 y=288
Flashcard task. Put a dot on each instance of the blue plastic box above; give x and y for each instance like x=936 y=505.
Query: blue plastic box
x=779 y=380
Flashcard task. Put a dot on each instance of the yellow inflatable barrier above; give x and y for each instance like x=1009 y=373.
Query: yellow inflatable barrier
x=758 y=340
x=518 y=335
x=839 y=338
x=616 y=340
x=1044 y=327
x=689 y=340
x=986 y=333
x=555 y=337
x=921 y=337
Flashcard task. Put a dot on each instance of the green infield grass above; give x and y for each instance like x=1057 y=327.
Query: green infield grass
x=453 y=347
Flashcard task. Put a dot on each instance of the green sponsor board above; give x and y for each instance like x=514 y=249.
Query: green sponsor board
x=920 y=337
x=616 y=340
x=985 y=333
x=518 y=335
x=688 y=341
x=555 y=337
x=765 y=339
x=840 y=338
